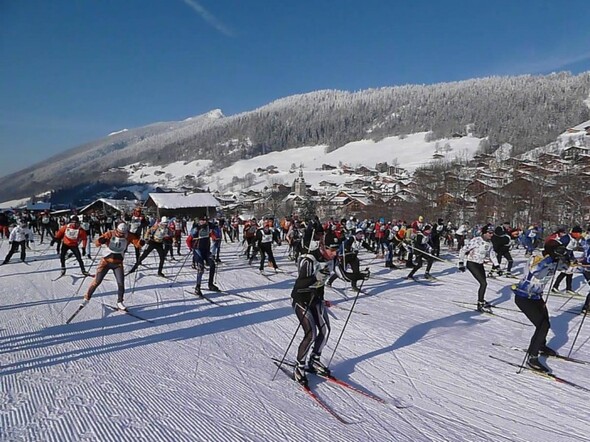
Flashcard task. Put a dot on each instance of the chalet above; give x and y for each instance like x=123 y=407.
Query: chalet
x=180 y=204
x=38 y=207
x=110 y=207
x=547 y=158
x=365 y=171
x=573 y=152
x=396 y=170
x=328 y=167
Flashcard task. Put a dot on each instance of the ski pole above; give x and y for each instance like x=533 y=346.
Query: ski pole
x=432 y=256
x=294 y=335
x=180 y=269
x=82 y=282
x=346 y=322
x=578 y=332
x=580 y=327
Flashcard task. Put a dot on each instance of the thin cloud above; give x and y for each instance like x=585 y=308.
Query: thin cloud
x=547 y=64
x=209 y=18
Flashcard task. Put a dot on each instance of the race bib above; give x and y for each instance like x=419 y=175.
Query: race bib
x=72 y=233
x=118 y=245
x=160 y=234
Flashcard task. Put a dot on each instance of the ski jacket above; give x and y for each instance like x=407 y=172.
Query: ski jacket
x=115 y=247
x=72 y=235
x=477 y=250
x=200 y=237
x=422 y=243
x=539 y=273
x=158 y=233
x=310 y=280
x=20 y=234
x=501 y=240
x=267 y=235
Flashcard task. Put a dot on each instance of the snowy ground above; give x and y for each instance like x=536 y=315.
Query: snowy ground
x=202 y=372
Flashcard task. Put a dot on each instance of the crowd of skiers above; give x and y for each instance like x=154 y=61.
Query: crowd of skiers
x=324 y=251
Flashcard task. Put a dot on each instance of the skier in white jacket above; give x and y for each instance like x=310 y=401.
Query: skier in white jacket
x=476 y=251
x=19 y=236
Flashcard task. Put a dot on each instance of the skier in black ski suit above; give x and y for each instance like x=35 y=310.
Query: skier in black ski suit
x=308 y=302
x=501 y=244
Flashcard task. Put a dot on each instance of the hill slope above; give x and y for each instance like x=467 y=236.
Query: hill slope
x=526 y=111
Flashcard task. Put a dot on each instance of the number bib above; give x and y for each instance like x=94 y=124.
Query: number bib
x=72 y=233
x=134 y=226
x=159 y=234
x=118 y=245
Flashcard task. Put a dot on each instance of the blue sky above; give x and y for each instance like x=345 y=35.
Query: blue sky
x=74 y=71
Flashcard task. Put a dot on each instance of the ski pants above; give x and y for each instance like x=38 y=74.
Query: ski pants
x=76 y=251
x=266 y=249
x=101 y=270
x=316 y=327
x=199 y=259
x=505 y=254
x=569 y=277
x=418 y=264
x=159 y=247
x=536 y=311
x=479 y=273
x=46 y=228
x=14 y=247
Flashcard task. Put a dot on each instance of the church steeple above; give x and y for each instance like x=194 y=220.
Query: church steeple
x=300 y=187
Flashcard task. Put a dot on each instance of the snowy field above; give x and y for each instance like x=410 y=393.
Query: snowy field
x=203 y=372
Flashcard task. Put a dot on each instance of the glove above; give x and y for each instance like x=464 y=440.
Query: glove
x=141 y=243
x=461 y=266
x=327 y=303
x=83 y=252
x=102 y=240
x=321 y=276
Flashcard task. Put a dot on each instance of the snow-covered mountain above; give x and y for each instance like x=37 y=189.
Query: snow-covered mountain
x=524 y=111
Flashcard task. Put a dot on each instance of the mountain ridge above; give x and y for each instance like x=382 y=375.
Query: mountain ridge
x=527 y=111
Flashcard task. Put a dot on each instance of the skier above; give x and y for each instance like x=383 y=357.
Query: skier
x=460 y=235
x=439 y=231
x=530 y=236
x=585 y=265
x=309 y=305
x=116 y=243
x=19 y=237
x=476 y=252
x=45 y=226
x=348 y=255
x=155 y=236
x=529 y=298
x=199 y=242
x=263 y=242
x=501 y=243
x=570 y=241
x=422 y=244
x=250 y=228
x=71 y=235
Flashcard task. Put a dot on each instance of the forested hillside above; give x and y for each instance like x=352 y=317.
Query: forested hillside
x=526 y=111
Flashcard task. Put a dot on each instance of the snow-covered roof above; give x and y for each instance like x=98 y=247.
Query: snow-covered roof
x=120 y=205
x=182 y=201
x=38 y=206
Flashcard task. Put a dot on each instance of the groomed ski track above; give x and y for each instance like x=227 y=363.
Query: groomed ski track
x=202 y=372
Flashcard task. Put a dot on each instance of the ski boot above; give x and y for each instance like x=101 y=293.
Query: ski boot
x=213 y=287
x=483 y=307
x=534 y=363
x=547 y=351
x=316 y=366
x=299 y=374
x=121 y=306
